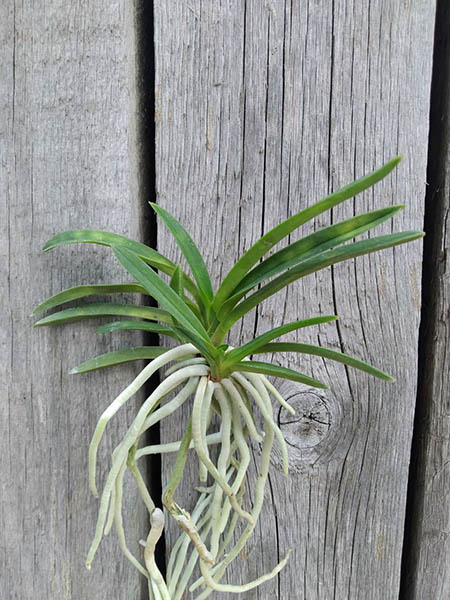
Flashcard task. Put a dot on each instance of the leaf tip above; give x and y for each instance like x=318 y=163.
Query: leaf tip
x=74 y=371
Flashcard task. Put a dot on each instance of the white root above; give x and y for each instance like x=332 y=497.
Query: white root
x=276 y=394
x=238 y=589
x=179 y=550
x=199 y=448
x=216 y=514
x=156 y=529
x=262 y=400
x=237 y=399
x=141 y=486
x=180 y=590
x=123 y=397
x=205 y=420
x=129 y=440
x=118 y=521
x=198 y=360
x=257 y=506
x=244 y=456
x=212 y=438
x=222 y=462
x=176 y=403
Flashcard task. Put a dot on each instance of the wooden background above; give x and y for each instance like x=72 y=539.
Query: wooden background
x=260 y=108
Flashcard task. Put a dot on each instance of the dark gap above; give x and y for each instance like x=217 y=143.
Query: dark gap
x=435 y=208
x=145 y=139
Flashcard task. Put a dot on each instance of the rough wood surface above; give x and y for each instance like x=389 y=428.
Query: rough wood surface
x=262 y=108
x=427 y=567
x=66 y=94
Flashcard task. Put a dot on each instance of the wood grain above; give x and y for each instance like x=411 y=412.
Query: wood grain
x=426 y=569
x=68 y=161
x=263 y=108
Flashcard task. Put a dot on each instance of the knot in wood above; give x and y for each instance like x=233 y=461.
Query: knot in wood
x=312 y=433
x=311 y=422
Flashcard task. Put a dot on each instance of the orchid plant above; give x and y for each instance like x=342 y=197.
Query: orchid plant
x=227 y=385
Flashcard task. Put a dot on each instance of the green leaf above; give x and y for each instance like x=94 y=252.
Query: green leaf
x=314 y=264
x=272 y=237
x=238 y=354
x=136 y=325
x=190 y=252
x=102 y=310
x=176 y=285
x=312 y=245
x=81 y=291
x=324 y=353
x=119 y=356
x=160 y=291
x=106 y=238
x=283 y=372
x=176 y=282
x=207 y=349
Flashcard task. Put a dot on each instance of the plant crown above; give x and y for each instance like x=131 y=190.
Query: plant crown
x=191 y=312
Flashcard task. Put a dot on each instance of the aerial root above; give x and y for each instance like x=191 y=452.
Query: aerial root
x=209 y=533
x=123 y=397
x=156 y=529
x=237 y=589
x=130 y=439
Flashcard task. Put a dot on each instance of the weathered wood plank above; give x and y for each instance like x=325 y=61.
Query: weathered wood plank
x=67 y=157
x=427 y=568
x=262 y=108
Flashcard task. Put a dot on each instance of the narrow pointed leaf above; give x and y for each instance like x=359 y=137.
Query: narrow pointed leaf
x=106 y=238
x=190 y=252
x=330 y=257
x=272 y=237
x=314 y=244
x=81 y=291
x=103 y=310
x=176 y=281
x=118 y=357
x=254 y=366
x=137 y=326
x=159 y=289
x=175 y=284
x=245 y=350
x=324 y=353
x=193 y=306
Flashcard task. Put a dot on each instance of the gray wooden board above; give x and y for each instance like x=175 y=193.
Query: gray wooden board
x=262 y=108
x=427 y=569
x=67 y=156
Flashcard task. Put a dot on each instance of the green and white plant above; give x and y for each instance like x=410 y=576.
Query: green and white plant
x=227 y=387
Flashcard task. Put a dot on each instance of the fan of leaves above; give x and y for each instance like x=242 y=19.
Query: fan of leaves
x=222 y=379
